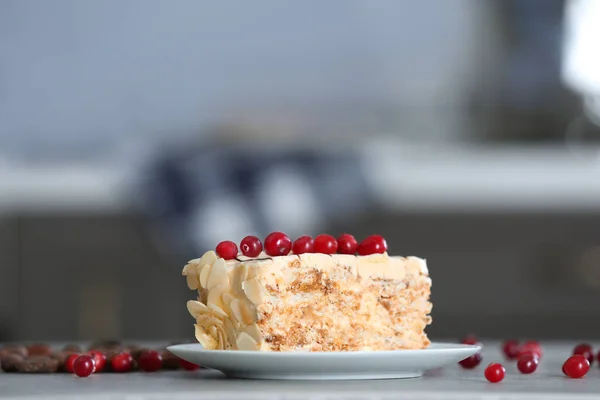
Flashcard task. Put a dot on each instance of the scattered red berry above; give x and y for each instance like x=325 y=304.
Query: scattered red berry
x=70 y=361
x=304 y=244
x=83 y=366
x=511 y=349
x=582 y=347
x=470 y=339
x=227 y=250
x=374 y=244
x=576 y=366
x=277 y=244
x=150 y=361
x=99 y=360
x=494 y=372
x=251 y=246
x=122 y=362
x=585 y=350
x=528 y=363
x=188 y=366
x=347 y=244
x=532 y=347
x=325 y=244
x=471 y=362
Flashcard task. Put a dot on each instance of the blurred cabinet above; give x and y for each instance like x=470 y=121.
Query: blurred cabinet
x=89 y=277
x=9 y=277
x=503 y=275
x=498 y=275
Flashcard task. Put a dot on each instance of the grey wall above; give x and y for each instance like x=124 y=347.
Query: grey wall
x=83 y=73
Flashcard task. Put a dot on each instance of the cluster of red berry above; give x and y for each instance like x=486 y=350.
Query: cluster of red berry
x=279 y=244
x=528 y=355
x=84 y=365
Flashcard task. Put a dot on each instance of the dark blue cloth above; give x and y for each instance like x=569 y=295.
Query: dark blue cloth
x=180 y=181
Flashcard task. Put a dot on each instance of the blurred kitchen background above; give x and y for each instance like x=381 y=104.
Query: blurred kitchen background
x=136 y=134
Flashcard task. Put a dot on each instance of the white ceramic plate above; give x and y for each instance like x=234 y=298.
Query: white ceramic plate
x=326 y=366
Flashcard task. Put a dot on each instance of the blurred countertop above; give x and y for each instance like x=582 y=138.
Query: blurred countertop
x=451 y=382
x=404 y=177
x=486 y=178
x=63 y=188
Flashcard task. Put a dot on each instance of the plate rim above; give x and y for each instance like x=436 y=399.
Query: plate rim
x=451 y=348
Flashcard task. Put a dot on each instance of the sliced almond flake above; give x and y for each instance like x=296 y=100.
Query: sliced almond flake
x=245 y=342
x=252 y=272
x=236 y=310
x=196 y=308
x=229 y=331
x=254 y=332
x=192 y=281
x=214 y=297
x=249 y=314
x=186 y=270
x=227 y=299
x=253 y=290
x=239 y=276
x=212 y=330
x=207 y=321
x=218 y=310
x=194 y=261
x=221 y=339
x=207 y=341
x=208 y=258
x=218 y=274
x=204 y=272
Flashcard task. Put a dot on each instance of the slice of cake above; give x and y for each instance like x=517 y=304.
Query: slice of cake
x=309 y=301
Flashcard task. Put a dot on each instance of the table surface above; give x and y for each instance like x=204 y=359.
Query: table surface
x=449 y=383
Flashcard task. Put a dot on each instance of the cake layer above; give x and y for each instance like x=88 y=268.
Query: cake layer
x=310 y=302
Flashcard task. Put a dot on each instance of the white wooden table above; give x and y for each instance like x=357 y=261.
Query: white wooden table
x=449 y=383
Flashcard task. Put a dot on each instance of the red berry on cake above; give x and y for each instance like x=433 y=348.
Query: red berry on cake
x=304 y=244
x=494 y=372
x=374 y=244
x=277 y=244
x=347 y=244
x=251 y=246
x=325 y=244
x=227 y=250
